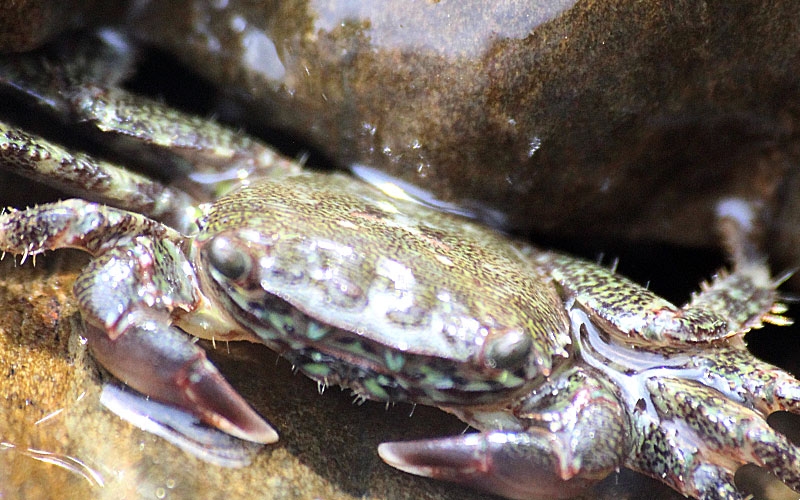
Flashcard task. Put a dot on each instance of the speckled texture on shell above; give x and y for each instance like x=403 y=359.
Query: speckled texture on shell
x=441 y=251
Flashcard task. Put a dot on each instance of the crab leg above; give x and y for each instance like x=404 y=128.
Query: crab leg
x=84 y=175
x=213 y=157
x=574 y=435
x=703 y=435
x=728 y=306
x=129 y=295
x=733 y=303
x=78 y=85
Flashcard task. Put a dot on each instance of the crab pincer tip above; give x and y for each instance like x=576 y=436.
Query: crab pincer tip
x=250 y=428
x=422 y=458
x=503 y=463
x=221 y=406
x=445 y=459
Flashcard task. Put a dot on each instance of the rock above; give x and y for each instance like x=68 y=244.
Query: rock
x=602 y=121
x=26 y=24
x=614 y=120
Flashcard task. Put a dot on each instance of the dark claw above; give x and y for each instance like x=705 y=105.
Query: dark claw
x=164 y=364
x=515 y=465
x=179 y=427
x=219 y=404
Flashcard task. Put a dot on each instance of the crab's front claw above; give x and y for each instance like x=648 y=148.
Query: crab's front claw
x=162 y=363
x=573 y=433
x=525 y=465
x=129 y=294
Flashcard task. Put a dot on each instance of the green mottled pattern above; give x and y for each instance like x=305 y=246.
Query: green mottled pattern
x=742 y=297
x=39 y=159
x=77 y=224
x=579 y=406
x=78 y=81
x=202 y=145
x=727 y=431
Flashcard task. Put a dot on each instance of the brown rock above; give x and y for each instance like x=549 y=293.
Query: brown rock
x=26 y=24
x=614 y=120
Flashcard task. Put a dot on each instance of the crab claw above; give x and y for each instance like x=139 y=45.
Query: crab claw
x=160 y=362
x=527 y=466
x=128 y=297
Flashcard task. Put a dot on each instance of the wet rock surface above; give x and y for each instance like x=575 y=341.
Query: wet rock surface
x=614 y=119
x=609 y=121
x=26 y=24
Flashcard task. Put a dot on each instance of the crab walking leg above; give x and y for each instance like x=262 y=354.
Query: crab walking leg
x=574 y=433
x=214 y=157
x=79 y=85
x=83 y=175
x=129 y=295
x=731 y=304
x=701 y=429
x=763 y=387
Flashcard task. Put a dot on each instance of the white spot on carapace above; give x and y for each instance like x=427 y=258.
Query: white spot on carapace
x=346 y=224
x=399 y=274
x=338 y=248
x=444 y=260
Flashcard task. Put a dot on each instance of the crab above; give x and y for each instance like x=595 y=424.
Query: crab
x=567 y=370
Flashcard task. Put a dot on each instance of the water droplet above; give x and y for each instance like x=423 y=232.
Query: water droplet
x=534 y=145
x=238 y=24
x=369 y=128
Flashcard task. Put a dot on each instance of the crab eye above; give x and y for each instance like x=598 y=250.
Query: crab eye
x=227 y=258
x=508 y=349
